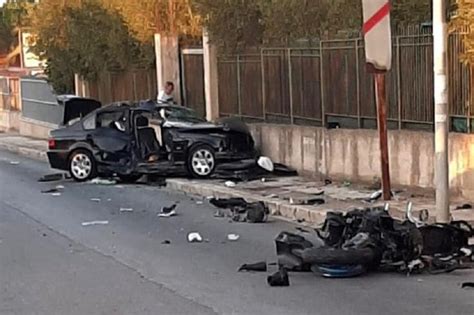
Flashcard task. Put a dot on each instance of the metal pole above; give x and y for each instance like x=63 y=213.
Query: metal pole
x=290 y=86
x=381 y=99
x=441 y=111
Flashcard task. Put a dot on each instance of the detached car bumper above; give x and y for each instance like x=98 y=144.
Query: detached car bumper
x=58 y=160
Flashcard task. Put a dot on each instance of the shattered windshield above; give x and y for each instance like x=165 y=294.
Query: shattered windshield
x=181 y=114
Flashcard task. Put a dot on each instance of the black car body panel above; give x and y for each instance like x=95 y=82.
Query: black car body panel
x=117 y=150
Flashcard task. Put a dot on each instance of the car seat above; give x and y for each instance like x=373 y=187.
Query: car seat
x=149 y=144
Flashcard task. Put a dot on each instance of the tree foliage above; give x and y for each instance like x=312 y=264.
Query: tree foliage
x=241 y=23
x=87 y=40
x=464 y=20
x=13 y=14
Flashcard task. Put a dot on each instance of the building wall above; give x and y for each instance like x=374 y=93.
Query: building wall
x=354 y=155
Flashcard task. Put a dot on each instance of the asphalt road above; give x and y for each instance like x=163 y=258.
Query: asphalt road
x=51 y=264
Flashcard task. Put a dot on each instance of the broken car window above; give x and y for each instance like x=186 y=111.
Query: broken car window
x=115 y=120
x=89 y=123
x=180 y=114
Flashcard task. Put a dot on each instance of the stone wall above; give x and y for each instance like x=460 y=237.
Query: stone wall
x=354 y=155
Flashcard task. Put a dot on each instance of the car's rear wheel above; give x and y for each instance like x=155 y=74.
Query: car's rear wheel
x=201 y=161
x=82 y=165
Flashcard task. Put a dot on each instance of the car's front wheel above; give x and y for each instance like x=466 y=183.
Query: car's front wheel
x=201 y=161
x=82 y=165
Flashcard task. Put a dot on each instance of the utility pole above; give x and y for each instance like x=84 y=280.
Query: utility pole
x=440 y=34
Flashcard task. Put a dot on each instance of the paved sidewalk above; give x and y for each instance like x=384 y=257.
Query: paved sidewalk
x=285 y=197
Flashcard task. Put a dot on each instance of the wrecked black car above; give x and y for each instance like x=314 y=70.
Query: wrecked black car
x=130 y=140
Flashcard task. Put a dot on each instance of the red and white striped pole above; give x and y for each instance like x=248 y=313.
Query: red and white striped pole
x=378 y=54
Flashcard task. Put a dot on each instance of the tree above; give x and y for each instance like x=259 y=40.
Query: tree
x=464 y=21
x=13 y=14
x=233 y=24
x=87 y=40
x=242 y=23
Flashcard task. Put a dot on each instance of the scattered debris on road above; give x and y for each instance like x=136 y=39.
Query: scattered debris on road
x=60 y=187
x=279 y=279
x=233 y=237
x=90 y=223
x=103 y=181
x=52 y=177
x=167 y=212
x=14 y=162
x=96 y=199
x=126 y=209
x=467 y=285
x=166 y=242
x=241 y=210
x=230 y=184
x=259 y=267
x=56 y=194
x=50 y=191
x=194 y=237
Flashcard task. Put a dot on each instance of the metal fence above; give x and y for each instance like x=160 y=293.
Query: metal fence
x=9 y=93
x=130 y=85
x=329 y=83
x=39 y=101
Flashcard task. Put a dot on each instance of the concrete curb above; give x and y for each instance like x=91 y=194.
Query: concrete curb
x=276 y=207
x=35 y=154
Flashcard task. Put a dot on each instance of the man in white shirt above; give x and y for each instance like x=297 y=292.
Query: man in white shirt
x=166 y=95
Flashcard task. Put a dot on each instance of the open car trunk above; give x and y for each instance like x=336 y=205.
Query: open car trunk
x=76 y=107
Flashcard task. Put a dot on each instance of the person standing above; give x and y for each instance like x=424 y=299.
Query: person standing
x=166 y=95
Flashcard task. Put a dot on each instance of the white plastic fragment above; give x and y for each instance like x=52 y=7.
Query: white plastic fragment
x=14 y=162
x=126 y=209
x=172 y=213
x=230 y=184
x=95 y=199
x=194 y=237
x=266 y=163
x=59 y=187
x=199 y=202
x=103 y=181
x=95 y=223
x=233 y=237
x=56 y=194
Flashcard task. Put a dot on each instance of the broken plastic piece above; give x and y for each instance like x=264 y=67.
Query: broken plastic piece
x=59 y=187
x=233 y=237
x=166 y=242
x=126 y=209
x=466 y=285
x=56 y=194
x=266 y=163
x=95 y=223
x=194 y=237
x=279 y=279
x=50 y=191
x=230 y=184
x=168 y=209
x=167 y=215
x=103 y=181
x=14 y=162
x=51 y=177
x=199 y=202
x=95 y=199
x=259 y=266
